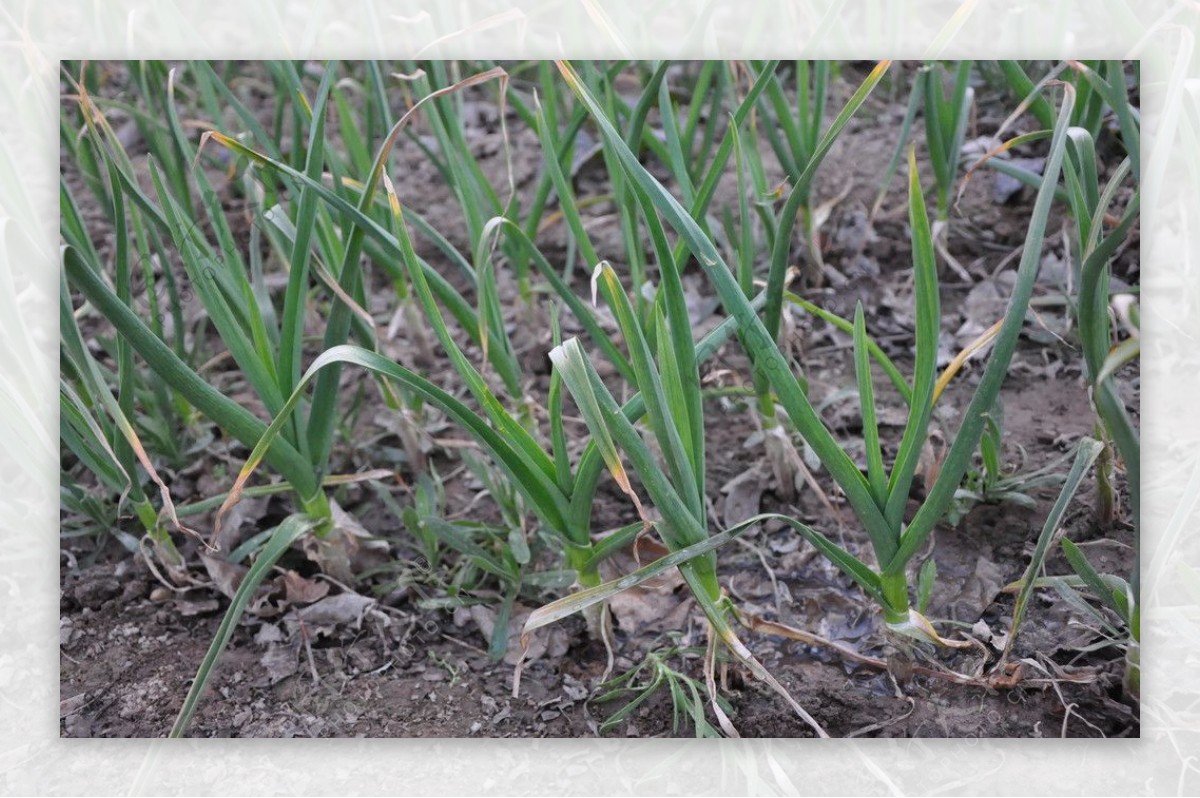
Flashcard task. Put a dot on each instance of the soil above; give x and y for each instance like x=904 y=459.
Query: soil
x=410 y=664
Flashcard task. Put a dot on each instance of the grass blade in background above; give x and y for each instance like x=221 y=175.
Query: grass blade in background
x=1085 y=455
x=967 y=436
x=287 y=533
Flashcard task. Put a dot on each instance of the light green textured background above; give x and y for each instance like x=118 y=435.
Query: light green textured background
x=34 y=35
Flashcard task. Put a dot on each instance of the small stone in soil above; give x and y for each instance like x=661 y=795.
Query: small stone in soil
x=95 y=592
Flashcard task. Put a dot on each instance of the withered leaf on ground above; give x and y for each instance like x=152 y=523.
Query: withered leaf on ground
x=654 y=603
x=552 y=641
x=190 y=609
x=344 y=608
x=743 y=495
x=281 y=660
x=301 y=590
x=226 y=576
x=967 y=599
x=348 y=549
